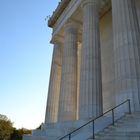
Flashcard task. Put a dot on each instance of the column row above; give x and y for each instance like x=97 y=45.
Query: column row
x=90 y=100
x=62 y=99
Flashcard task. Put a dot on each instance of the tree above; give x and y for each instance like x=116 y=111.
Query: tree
x=18 y=134
x=6 y=127
x=8 y=132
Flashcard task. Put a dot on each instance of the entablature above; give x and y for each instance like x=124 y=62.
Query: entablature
x=71 y=10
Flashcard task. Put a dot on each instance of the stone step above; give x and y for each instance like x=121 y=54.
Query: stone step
x=39 y=138
x=128 y=120
x=121 y=130
x=133 y=115
x=129 y=124
x=122 y=134
x=49 y=132
x=127 y=128
x=119 y=136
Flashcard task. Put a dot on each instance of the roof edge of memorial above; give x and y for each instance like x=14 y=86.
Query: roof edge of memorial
x=59 y=10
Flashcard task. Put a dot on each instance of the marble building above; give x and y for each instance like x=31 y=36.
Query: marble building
x=95 y=63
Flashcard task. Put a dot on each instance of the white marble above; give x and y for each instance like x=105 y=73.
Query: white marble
x=126 y=34
x=90 y=78
x=68 y=89
x=54 y=85
x=58 y=130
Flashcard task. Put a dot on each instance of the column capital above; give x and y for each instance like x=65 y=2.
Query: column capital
x=90 y=2
x=57 y=40
x=70 y=24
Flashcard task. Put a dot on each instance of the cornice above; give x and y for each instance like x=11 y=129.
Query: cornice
x=59 y=10
x=64 y=4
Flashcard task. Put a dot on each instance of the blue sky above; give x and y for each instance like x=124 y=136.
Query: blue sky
x=25 y=60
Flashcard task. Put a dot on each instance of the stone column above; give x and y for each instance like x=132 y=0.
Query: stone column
x=68 y=91
x=126 y=52
x=54 y=85
x=90 y=79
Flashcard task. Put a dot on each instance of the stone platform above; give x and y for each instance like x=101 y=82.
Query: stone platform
x=55 y=131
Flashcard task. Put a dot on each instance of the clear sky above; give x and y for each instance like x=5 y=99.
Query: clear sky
x=25 y=60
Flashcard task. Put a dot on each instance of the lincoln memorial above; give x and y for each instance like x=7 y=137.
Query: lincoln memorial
x=95 y=63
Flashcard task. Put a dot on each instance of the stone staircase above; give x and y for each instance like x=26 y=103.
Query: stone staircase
x=127 y=128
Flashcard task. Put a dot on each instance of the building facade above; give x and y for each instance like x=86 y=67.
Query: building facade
x=96 y=59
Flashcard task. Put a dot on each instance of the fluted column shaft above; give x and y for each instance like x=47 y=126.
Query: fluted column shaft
x=54 y=85
x=90 y=79
x=126 y=52
x=68 y=91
